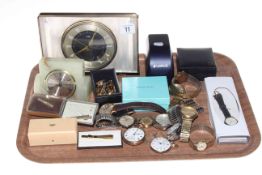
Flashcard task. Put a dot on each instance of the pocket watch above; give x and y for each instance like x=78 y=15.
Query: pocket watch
x=91 y=41
x=134 y=136
x=126 y=121
x=60 y=83
x=160 y=144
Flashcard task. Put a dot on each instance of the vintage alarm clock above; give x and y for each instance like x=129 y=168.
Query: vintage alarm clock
x=63 y=78
x=159 y=61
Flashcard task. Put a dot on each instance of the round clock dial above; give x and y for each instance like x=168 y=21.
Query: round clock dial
x=91 y=41
x=60 y=83
x=160 y=144
x=134 y=136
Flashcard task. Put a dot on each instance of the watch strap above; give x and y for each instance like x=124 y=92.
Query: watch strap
x=137 y=106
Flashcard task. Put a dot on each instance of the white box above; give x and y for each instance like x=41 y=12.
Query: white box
x=224 y=133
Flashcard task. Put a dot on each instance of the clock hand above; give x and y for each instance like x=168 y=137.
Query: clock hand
x=135 y=131
x=85 y=48
x=79 y=42
x=92 y=39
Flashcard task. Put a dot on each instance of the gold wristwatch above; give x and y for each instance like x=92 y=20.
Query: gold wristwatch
x=201 y=137
x=189 y=114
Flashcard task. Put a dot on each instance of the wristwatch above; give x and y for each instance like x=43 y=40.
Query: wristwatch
x=162 y=122
x=106 y=108
x=201 y=137
x=127 y=107
x=189 y=114
x=185 y=85
x=126 y=121
x=229 y=119
x=105 y=120
x=146 y=122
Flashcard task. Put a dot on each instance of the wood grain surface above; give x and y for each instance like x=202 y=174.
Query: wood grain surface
x=70 y=153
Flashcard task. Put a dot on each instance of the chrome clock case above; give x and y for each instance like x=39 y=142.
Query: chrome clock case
x=102 y=40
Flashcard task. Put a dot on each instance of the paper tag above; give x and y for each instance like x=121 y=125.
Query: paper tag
x=128 y=28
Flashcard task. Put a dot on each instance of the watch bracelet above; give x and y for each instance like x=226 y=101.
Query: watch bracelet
x=185 y=130
x=174 y=114
x=105 y=117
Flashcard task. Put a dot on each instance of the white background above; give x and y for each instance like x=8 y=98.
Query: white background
x=229 y=27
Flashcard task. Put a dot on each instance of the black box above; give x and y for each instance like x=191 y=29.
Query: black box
x=106 y=75
x=159 y=61
x=198 y=62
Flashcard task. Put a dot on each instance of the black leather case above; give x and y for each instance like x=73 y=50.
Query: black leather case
x=198 y=62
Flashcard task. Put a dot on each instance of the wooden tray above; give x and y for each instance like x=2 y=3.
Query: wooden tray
x=69 y=153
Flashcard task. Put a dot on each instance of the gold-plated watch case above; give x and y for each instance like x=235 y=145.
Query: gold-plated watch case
x=146 y=122
x=189 y=114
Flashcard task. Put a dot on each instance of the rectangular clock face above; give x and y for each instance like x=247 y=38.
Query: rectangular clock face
x=102 y=40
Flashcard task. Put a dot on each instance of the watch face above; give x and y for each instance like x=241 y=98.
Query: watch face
x=60 y=83
x=160 y=144
x=126 y=121
x=134 y=136
x=146 y=122
x=163 y=120
x=189 y=112
x=106 y=108
x=201 y=146
x=231 y=121
x=91 y=41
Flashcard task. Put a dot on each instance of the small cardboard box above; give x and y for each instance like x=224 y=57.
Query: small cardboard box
x=146 y=89
x=52 y=131
x=106 y=75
